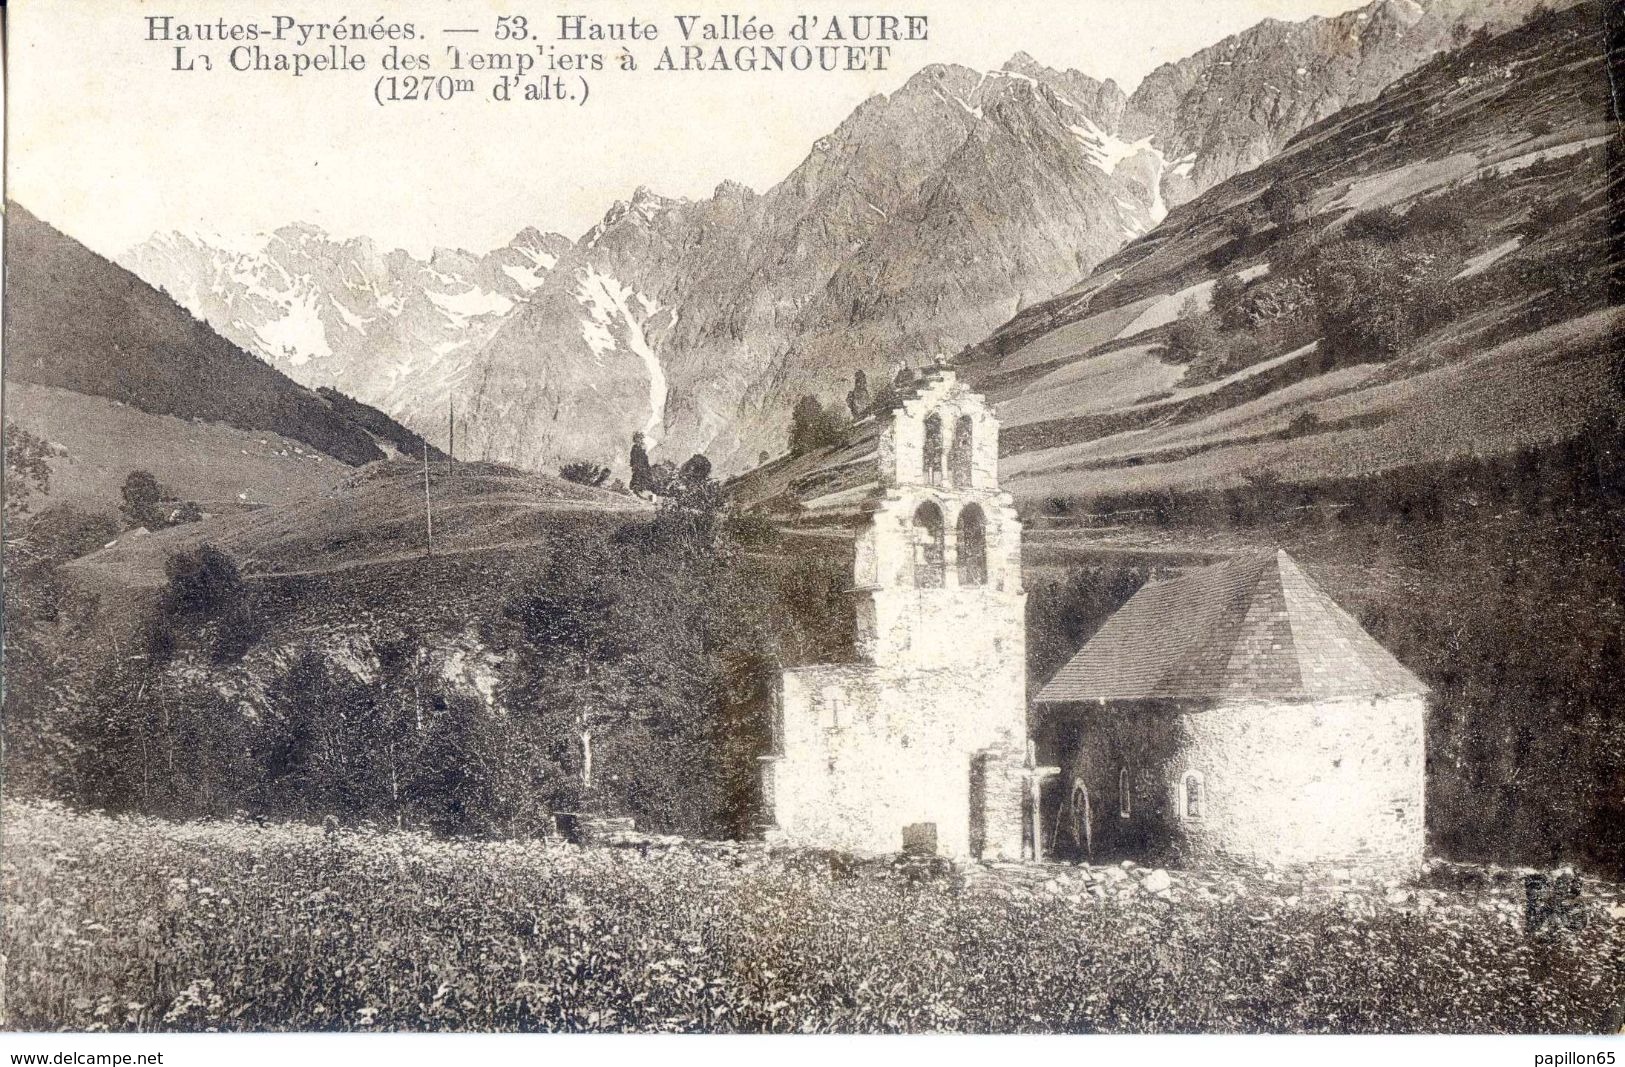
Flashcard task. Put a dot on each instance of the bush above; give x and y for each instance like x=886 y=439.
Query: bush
x=813 y=427
x=28 y=472
x=1303 y=424
x=205 y=604
x=1549 y=215
x=143 y=497
x=1193 y=334
x=1377 y=224
x=1373 y=297
x=584 y=473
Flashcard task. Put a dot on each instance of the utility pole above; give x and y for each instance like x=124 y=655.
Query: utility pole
x=428 y=514
x=451 y=435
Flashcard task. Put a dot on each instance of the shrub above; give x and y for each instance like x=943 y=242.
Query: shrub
x=1377 y=224
x=1228 y=293
x=813 y=427
x=1302 y=424
x=142 y=497
x=583 y=472
x=27 y=471
x=1193 y=334
x=642 y=480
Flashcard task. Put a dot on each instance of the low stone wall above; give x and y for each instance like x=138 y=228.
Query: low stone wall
x=1469 y=893
x=1456 y=892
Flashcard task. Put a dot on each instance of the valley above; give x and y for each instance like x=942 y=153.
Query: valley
x=914 y=229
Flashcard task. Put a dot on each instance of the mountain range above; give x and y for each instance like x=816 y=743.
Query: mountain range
x=107 y=370
x=917 y=227
x=1426 y=278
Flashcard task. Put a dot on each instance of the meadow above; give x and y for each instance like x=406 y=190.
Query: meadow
x=138 y=924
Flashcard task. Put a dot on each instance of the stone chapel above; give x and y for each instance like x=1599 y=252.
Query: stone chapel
x=920 y=743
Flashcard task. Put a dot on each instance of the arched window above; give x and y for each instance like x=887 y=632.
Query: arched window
x=931 y=459
x=1080 y=821
x=1192 y=795
x=1125 y=806
x=930 y=563
x=972 y=543
x=959 y=455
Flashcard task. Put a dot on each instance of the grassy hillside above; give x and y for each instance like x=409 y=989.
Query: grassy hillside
x=97 y=442
x=75 y=321
x=375 y=515
x=1420 y=278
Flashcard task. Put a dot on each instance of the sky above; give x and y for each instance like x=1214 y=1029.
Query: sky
x=110 y=144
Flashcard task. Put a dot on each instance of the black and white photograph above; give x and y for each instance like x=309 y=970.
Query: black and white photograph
x=1043 y=518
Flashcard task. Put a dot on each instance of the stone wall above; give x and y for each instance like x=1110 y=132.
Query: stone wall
x=902 y=444
x=868 y=750
x=1329 y=785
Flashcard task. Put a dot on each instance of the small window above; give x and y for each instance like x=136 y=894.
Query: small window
x=1192 y=796
x=931 y=457
x=1125 y=806
x=830 y=708
x=960 y=454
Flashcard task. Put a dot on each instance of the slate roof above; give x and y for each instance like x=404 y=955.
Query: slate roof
x=1255 y=627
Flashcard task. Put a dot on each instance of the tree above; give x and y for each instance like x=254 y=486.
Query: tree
x=663 y=478
x=45 y=626
x=143 y=500
x=1228 y=293
x=812 y=427
x=1194 y=334
x=642 y=480
x=695 y=472
x=206 y=595
x=568 y=648
x=27 y=470
x=1284 y=203
x=584 y=473
x=858 y=400
x=202 y=582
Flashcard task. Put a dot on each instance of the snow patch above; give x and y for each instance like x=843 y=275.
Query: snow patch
x=607 y=302
x=526 y=279
x=470 y=303
x=298 y=334
x=544 y=260
x=351 y=319
x=1105 y=151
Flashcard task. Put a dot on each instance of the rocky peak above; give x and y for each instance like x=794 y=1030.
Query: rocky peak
x=729 y=189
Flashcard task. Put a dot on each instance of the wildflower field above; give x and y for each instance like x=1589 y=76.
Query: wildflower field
x=138 y=924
